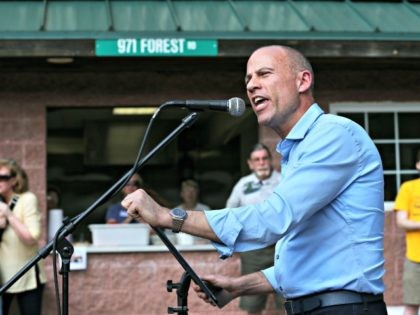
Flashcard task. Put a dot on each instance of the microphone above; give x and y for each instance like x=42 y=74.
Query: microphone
x=234 y=106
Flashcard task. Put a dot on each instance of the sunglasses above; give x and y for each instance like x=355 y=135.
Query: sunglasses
x=5 y=177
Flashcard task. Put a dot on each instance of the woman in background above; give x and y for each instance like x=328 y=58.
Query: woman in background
x=20 y=221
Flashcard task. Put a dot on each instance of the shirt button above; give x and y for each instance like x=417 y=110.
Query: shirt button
x=277 y=256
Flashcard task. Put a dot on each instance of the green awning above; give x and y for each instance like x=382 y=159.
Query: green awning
x=320 y=28
x=345 y=20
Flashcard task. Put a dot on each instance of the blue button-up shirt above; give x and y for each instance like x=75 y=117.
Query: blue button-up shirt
x=326 y=216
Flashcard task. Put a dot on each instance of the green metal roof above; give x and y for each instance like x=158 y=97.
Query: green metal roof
x=223 y=19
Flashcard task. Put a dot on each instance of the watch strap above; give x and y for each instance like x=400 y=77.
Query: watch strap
x=179 y=215
x=177 y=224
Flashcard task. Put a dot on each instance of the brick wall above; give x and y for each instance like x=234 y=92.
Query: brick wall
x=394 y=245
x=23 y=130
x=135 y=283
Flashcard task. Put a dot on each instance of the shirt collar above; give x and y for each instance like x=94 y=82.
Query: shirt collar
x=255 y=179
x=305 y=122
x=299 y=130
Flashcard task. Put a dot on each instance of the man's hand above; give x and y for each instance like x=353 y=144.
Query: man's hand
x=250 y=284
x=141 y=206
x=220 y=282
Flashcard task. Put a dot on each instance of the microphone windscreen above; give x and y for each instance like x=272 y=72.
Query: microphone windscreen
x=236 y=106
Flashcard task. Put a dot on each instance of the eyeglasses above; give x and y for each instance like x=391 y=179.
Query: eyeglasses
x=5 y=177
x=258 y=159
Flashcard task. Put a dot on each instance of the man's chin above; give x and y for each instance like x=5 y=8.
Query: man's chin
x=263 y=121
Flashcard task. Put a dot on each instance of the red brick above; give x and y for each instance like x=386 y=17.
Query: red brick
x=11 y=150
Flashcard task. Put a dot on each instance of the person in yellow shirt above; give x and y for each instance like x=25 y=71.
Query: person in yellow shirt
x=407 y=207
x=21 y=226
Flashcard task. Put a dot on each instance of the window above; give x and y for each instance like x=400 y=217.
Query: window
x=395 y=129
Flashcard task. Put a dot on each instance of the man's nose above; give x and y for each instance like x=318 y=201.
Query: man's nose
x=252 y=85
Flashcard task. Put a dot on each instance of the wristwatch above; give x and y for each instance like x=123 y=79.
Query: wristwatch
x=178 y=217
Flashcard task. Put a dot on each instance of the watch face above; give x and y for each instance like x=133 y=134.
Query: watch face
x=177 y=212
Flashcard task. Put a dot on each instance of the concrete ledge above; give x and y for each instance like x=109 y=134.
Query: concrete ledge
x=145 y=249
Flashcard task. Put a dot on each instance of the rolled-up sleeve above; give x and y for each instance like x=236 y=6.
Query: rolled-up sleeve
x=242 y=229
x=270 y=275
x=226 y=228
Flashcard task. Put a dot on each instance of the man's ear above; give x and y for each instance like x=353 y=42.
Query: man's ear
x=304 y=81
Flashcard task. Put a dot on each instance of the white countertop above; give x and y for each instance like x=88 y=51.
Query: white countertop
x=146 y=249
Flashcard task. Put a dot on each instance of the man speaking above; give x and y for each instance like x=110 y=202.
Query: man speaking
x=326 y=216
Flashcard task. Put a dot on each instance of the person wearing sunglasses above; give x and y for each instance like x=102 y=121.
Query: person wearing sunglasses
x=20 y=221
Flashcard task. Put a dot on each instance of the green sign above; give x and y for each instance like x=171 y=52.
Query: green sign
x=132 y=47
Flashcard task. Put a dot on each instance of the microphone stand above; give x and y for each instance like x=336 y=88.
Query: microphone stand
x=181 y=292
x=66 y=249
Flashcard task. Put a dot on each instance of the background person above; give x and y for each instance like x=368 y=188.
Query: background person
x=326 y=217
x=251 y=189
x=53 y=198
x=115 y=212
x=190 y=192
x=407 y=207
x=20 y=240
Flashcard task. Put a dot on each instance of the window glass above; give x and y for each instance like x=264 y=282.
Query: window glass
x=408 y=153
x=390 y=189
x=387 y=152
x=381 y=125
x=409 y=125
